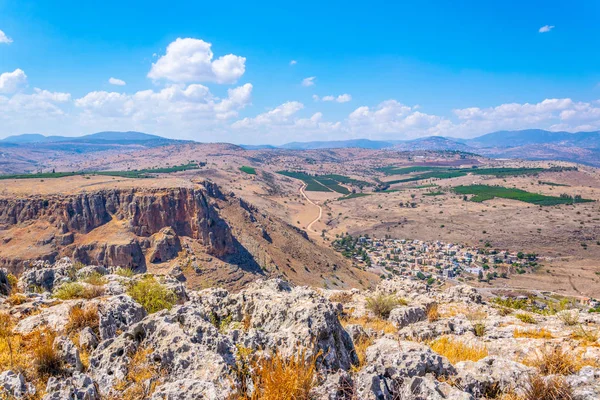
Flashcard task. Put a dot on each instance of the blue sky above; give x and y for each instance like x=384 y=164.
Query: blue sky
x=382 y=70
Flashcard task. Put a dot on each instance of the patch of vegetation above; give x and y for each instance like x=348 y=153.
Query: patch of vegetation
x=125 y=272
x=484 y=192
x=382 y=304
x=324 y=183
x=455 y=350
x=438 y=193
x=248 y=170
x=76 y=290
x=82 y=317
x=526 y=318
x=152 y=295
x=354 y=196
x=541 y=333
x=555 y=360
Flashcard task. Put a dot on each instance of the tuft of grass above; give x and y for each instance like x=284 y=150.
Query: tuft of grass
x=16 y=299
x=360 y=347
x=341 y=297
x=382 y=305
x=455 y=350
x=46 y=360
x=526 y=318
x=554 y=360
x=75 y=290
x=540 y=388
x=152 y=295
x=541 y=333
x=569 y=317
x=433 y=313
x=588 y=336
x=278 y=378
x=125 y=272
x=479 y=329
x=81 y=317
x=95 y=279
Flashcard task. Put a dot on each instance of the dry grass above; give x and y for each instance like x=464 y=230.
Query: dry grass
x=75 y=290
x=46 y=360
x=540 y=388
x=377 y=324
x=142 y=376
x=455 y=350
x=341 y=297
x=95 y=279
x=526 y=318
x=554 y=360
x=16 y=299
x=278 y=378
x=360 y=347
x=587 y=336
x=433 y=313
x=382 y=304
x=569 y=317
x=125 y=272
x=541 y=333
x=81 y=317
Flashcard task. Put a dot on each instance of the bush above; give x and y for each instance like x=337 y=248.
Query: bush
x=569 y=317
x=527 y=318
x=479 y=329
x=455 y=350
x=75 y=290
x=381 y=305
x=125 y=272
x=433 y=313
x=81 y=317
x=152 y=295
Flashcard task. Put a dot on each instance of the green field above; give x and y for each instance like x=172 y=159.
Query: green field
x=433 y=193
x=484 y=192
x=140 y=173
x=354 y=196
x=406 y=170
x=324 y=183
x=248 y=170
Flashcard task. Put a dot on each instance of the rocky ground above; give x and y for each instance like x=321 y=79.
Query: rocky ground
x=69 y=331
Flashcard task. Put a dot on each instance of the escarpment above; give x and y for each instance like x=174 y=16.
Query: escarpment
x=137 y=215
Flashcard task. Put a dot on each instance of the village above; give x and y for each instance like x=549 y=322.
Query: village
x=430 y=260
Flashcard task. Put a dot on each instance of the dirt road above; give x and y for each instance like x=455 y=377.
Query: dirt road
x=309 y=226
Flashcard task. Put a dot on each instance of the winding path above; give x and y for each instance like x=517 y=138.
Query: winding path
x=309 y=226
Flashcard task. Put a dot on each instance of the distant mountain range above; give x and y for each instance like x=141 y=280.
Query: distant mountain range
x=534 y=144
x=100 y=137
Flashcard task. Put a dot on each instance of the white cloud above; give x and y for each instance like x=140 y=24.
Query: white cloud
x=277 y=116
x=5 y=39
x=293 y=62
x=191 y=60
x=116 y=82
x=10 y=82
x=315 y=97
x=546 y=28
x=310 y=81
x=342 y=98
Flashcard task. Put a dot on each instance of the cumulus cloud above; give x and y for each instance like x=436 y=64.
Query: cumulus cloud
x=310 y=81
x=191 y=60
x=5 y=39
x=293 y=62
x=116 y=82
x=546 y=28
x=10 y=82
x=342 y=98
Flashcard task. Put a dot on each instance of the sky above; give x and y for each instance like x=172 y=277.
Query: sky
x=274 y=72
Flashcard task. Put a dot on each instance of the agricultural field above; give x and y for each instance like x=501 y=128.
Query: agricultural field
x=484 y=192
x=248 y=170
x=324 y=183
x=447 y=173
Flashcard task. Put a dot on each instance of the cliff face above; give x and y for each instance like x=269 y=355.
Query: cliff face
x=190 y=212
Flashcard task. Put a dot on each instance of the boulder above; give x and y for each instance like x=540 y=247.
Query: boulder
x=13 y=385
x=77 y=387
x=68 y=353
x=491 y=376
x=118 y=313
x=404 y=316
x=189 y=389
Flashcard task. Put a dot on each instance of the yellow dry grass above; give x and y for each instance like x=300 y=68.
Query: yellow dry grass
x=278 y=378
x=377 y=324
x=81 y=317
x=455 y=350
x=433 y=313
x=541 y=333
x=360 y=347
x=142 y=376
x=555 y=360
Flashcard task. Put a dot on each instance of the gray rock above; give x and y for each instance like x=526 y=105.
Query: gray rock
x=55 y=317
x=118 y=313
x=14 y=385
x=47 y=276
x=585 y=384
x=189 y=389
x=389 y=362
x=88 y=339
x=404 y=316
x=491 y=375
x=77 y=387
x=69 y=353
x=337 y=386
x=5 y=287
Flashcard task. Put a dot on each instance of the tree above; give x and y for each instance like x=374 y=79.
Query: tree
x=480 y=275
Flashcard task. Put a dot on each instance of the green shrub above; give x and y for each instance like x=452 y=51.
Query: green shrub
x=152 y=295
x=527 y=318
x=381 y=305
x=94 y=278
x=125 y=272
x=75 y=290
